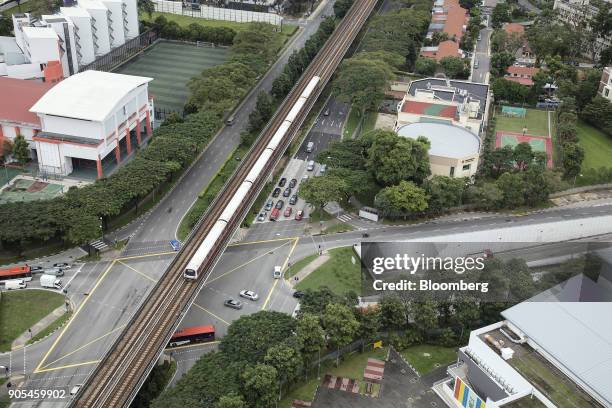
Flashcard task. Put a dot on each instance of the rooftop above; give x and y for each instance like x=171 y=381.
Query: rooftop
x=24 y=94
x=446 y=140
x=89 y=95
x=510 y=28
x=430 y=109
x=39 y=32
x=518 y=70
x=519 y=80
x=74 y=12
x=450 y=90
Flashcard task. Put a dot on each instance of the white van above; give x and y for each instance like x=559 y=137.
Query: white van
x=277 y=272
x=50 y=281
x=15 y=284
x=310 y=166
x=309 y=147
x=54 y=272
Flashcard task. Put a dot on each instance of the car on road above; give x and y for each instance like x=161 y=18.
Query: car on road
x=62 y=265
x=287 y=192
x=479 y=37
x=269 y=205
x=326 y=113
x=54 y=272
x=476 y=64
x=323 y=169
x=280 y=204
x=36 y=269
x=310 y=166
x=277 y=272
x=299 y=215
x=249 y=294
x=276 y=192
x=298 y=294
x=274 y=214
x=282 y=182
x=309 y=147
x=292 y=183
x=234 y=304
x=175 y=245
x=75 y=389
x=288 y=212
x=261 y=217
x=293 y=200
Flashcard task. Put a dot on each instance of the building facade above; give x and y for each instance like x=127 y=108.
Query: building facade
x=605 y=84
x=575 y=12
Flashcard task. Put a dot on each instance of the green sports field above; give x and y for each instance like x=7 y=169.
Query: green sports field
x=172 y=65
x=597 y=147
x=536 y=122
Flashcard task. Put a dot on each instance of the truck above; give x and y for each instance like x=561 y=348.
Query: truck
x=50 y=281
x=14 y=284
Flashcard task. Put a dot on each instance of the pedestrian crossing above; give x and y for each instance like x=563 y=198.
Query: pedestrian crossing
x=345 y=217
x=99 y=245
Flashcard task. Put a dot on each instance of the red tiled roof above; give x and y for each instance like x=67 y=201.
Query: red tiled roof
x=510 y=28
x=522 y=81
x=455 y=20
x=431 y=109
x=19 y=95
x=518 y=70
x=447 y=49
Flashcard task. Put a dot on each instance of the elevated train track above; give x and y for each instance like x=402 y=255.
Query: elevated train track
x=118 y=377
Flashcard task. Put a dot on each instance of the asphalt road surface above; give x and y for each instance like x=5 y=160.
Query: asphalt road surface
x=483 y=57
x=327 y=128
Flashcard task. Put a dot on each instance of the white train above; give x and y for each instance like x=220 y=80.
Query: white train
x=191 y=271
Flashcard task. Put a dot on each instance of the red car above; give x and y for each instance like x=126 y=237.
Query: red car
x=288 y=212
x=299 y=215
x=274 y=214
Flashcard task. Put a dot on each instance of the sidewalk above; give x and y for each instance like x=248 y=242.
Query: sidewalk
x=38 y=327
x=308 y=269
x=69 y=256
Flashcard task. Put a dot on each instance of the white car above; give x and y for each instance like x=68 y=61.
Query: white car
x=249 y=294
x=277 y=272
x=75 y=389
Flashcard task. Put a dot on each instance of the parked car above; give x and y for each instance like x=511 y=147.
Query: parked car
x=310 y=166
x=282 y=182
x=175 y=245
x=280 y=204
x=293 y=200
x=326 y=113
x=292 y=183
x=323 y=169
x=269 y=205
x=276 y=192
x=274 y=214
x=277 y=272
x=36 y=269
x=288 y=212
x=476 y=64
x=249 y=294
x=62 y=265
x=287 y=192
x=298 y=294
x=309 y=147
x=234 y=304
x=299 y=215
x=75 y=389
x=261 y=217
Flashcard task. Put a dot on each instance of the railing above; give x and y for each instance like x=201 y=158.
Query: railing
x=119 y=55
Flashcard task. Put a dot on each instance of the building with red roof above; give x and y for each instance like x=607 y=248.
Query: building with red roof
x=521 y=75
x=524 y=54
x=447 y=17
x=15 y=115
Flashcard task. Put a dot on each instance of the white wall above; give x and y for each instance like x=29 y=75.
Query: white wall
x=24 y=71
x=72 y=127
x=115 y=22
x=100 y=22
x=85 y=41
x=132 y=19
x=43 y=50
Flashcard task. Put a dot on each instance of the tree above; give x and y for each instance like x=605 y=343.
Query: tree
x=21 y=150
x=369 y=323
x=347 y=153
x=523 y=155
x=500 y=161
x=286 y=359
x=393 y=158
x=6 y=26
x=425 y=66
x=262 y=113
x=6 y=149
x=521 y=283
x=454 y=67
x=511 y=186
x=340 y=325
x=404 y=199
x=319 y=191
x=510 y=91
x=341 y=7
x=357 y=181
x=599 y=114
x=146 y=6
x=41 y=7
x=573 y=155
x=231 y=401
x=500 y=61
x=315 y=301
x=485 y=195
x=393 y=313
x=425 y=316
x=444 y=192
x=500 y=15
x=310 y=333
x=260 y=384
x=83 y=228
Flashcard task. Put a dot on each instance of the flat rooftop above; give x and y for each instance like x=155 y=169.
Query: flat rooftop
x=446 y=140
x=451 y=90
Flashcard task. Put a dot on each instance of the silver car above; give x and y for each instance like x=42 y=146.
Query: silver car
x=234 y=304
x=249 y=294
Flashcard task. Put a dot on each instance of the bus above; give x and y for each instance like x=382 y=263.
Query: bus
x=16 y=272
x=196 y=334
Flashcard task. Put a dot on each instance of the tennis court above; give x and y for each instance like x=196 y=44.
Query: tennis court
x=172 y=65
x=29 y=190
x=538 y=143
x=534 y=122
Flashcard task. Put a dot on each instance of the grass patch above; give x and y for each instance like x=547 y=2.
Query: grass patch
x=351 y=123
x=369 y=122
x=424 y=357
x=299 y=265
x=206 y=197
x=526 y=402
x=319 y=215
x=339 y=273
x=5 y=401
x=21 y=309
x=351 y=367
x=342 y=227
x=536 y=122
x=597 y=147
x=59 y=322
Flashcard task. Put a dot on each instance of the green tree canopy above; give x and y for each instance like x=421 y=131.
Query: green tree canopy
x=403 y=199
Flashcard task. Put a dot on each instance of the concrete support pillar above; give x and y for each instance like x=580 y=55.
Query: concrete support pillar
x=138 y=124
x=128 y=141
x=1 y=140
x=17 y=130
x=99 y=167
x=118 y=153
x=148 y=124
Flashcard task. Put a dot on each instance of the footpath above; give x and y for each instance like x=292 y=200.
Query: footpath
x=38 y=327
x=308 y=269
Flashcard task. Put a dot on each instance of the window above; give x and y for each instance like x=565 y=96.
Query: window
x=607 y=92
x=466 y=167
x=452 y=171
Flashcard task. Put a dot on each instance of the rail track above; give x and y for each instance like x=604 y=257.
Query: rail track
x=117 y=378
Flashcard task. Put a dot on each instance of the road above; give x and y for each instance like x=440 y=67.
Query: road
x=483 y=56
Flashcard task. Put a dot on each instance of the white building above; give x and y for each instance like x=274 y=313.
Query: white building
x=575 y=12
x=88 y=117
x=64 y=28
x=605 y=84
x=83 y=33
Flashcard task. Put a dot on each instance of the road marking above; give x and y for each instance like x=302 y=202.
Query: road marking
x=45 y=370
x=86 y=344
x=138 y=272
x=100 y=279
x=171 y=349
x=263 y=241
x=246 y=263
x=211 y=313
x=126 y=258
x=295 y=242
